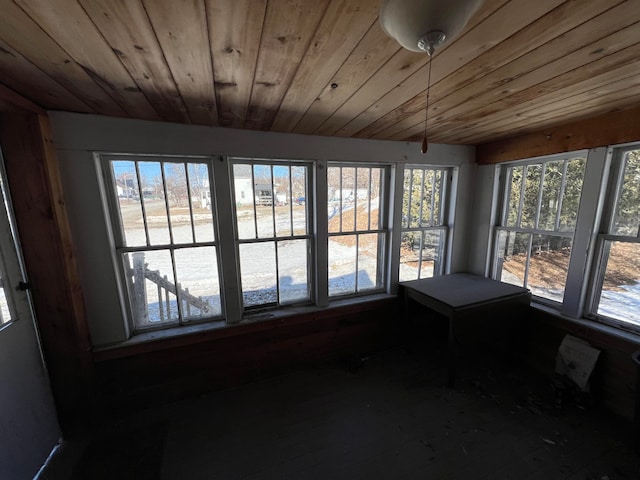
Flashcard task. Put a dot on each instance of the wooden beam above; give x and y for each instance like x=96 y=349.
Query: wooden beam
x=608 y=129
x=11 y=101
x=36 y=193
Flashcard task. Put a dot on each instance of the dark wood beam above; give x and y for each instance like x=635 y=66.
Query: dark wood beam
x=36 y=192
x=611 y=128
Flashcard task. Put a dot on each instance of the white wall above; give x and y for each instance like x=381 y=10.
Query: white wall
x=482 y=219
x=77 y=136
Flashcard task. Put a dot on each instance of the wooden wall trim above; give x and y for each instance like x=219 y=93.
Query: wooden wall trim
x=11 y=101
x=347 y=314
x=36 y=192
x=611 y=128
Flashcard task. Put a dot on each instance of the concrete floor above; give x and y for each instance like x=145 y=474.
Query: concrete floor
x=387 y=416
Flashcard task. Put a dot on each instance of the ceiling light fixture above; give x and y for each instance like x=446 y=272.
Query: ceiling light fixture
x=424 y=25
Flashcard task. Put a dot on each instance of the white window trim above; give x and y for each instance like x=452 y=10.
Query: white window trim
x=605 y=219
x=385 y=228
x=310 y=235
x=583 y=222
x=117 y=236
x=447 y=212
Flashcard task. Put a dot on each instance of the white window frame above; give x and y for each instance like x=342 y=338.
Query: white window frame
x=504 y=188
x=310 y=235
x=13 y=279
x=383 y=229
x=442 y=225
x=120 y=249
x=612 y=186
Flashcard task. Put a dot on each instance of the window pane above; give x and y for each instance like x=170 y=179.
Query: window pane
x=552 y=185
x=129 y=203
x=283 y=205
x=572 y=193
x=514 y=193
x=548 y=266
x=201 y=201
x=342 y=264
x=293 y=272
x=362 y=199
x=152 y=288
x=5 y=314
x=415 y=197
x=409 y=256
x=432 y=252
x=421 y=260
x=199 y=284
x=178 y=195
x=512 y=257
x=155 y=208
x=245 y=206
x=263 y=189
x=620 y=297
x=627 y=216
x=258 y=273
x=370 y=250
x=300 y=195
x=531 y=190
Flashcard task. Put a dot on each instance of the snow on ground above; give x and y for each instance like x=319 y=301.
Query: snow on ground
x=259 y=280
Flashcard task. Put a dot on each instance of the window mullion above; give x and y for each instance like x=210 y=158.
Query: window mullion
x=585 y=233
x=227 y=231
x=318 y=211
x=396 y=192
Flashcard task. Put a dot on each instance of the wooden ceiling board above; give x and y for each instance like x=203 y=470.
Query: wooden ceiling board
x=402 y=64
x=24 y=35
x=474 y=41
x=20 y=75
x=235 y=28
x=558 y=21
x=581 y=115
x=487 y=10
x=343 y=25
x=125 y=25
x=322 y=67
x=68 y=25
x=181 y=30
x=599 y=100
x=10 y=101
x=512 y=83
x=555 y=101
x=606 y=54
x=289 y=27
x=373 y=51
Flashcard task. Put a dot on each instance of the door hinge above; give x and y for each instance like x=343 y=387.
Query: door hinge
x=24 y=286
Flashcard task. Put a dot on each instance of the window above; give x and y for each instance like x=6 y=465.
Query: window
x=198 y=239
x=424 y=231
x=537 y=223
x=274 y=234
x=617 y=273
x=357 y=226
x=165 y=239
x=9 y=265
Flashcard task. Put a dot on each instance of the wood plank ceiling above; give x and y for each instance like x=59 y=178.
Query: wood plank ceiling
x=322 y=67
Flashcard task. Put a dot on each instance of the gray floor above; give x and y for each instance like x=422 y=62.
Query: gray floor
x=386 y=417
